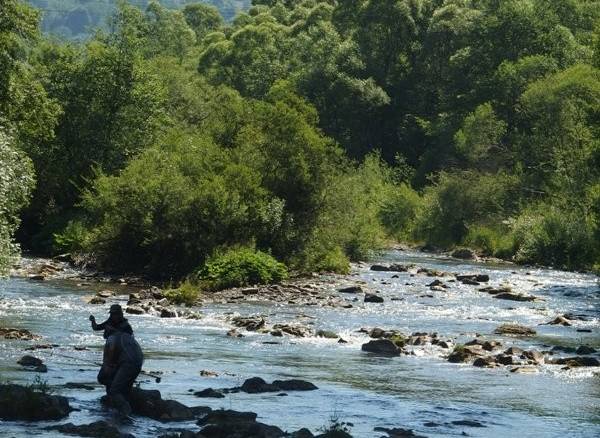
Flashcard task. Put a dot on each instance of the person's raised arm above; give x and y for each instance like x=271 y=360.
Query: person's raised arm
x=95 y=326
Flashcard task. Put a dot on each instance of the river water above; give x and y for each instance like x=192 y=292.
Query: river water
x=422 y=392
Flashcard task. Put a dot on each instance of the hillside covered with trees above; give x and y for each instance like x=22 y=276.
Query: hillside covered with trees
x=78 y=19
x=313 y=131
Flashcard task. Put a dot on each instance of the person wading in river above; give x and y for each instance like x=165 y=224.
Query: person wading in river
x=121 y=364
x=116 y=321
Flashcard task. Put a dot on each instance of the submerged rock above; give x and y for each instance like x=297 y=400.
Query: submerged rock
x=514 y=330
x=327 y=334
x=577 y=361
x=351 y=290
x=209 y=393
x=22 y=403
x=584 y=349
x=398 y=433
x=98 y=429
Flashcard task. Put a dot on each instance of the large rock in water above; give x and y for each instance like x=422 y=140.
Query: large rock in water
x=98 y=429
x=372 y=298
x=294 y=385
x=233 y=424
x=514 y=330
x=21 y=403
x=383 y=347
x=256 y=385
x=149 y=403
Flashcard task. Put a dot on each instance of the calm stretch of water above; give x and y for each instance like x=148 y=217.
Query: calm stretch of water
x=421 y=392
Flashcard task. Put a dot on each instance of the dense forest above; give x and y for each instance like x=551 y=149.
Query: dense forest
x=78 y=19
x=310 y=132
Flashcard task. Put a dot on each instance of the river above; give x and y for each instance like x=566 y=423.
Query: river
x=422 y=392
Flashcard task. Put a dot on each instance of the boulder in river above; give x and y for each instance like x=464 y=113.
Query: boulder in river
x=384 y=347
x=149 y=403
x=134 y=310
x=106 y=294
x=478 y=278
x=466 y=353
x=484 y=362
x=351 y=290
x=230 y=424
x=514 y=296
x=23 y=403
x=18 y=334
x=514 y=330
x=32 y=363
x=167 y=313
x=534 y=357
x=98 y=429
x=256 y=385
x=372 y=298
x=294 y=385
x=250 y=323
x=293 y=329
x=97 y=301
x=209 y=393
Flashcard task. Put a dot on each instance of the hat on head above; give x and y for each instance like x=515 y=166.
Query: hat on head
x=116 y=308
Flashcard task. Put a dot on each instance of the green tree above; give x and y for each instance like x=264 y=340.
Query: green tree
x=16 y=182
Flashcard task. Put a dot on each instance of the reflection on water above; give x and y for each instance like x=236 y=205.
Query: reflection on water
x=421 y=392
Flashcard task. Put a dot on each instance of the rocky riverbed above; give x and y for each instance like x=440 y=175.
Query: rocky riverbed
x=412 y=345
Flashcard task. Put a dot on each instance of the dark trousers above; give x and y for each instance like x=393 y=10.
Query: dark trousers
x=119 y=380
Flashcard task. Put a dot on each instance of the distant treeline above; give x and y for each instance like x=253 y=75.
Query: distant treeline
x=313 y=131
x=78 y=19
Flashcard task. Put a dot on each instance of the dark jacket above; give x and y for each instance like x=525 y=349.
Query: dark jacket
x=120 y=324
x=122 y=348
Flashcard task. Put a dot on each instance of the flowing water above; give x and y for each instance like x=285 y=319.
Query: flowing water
x=422 y=392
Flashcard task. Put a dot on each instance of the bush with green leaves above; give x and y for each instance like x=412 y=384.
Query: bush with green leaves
x=462 y=199
x=16 y=182
x=186 y=293
x=491 y=240
x=399 y=212
x=557 y=237
x=242 y=266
